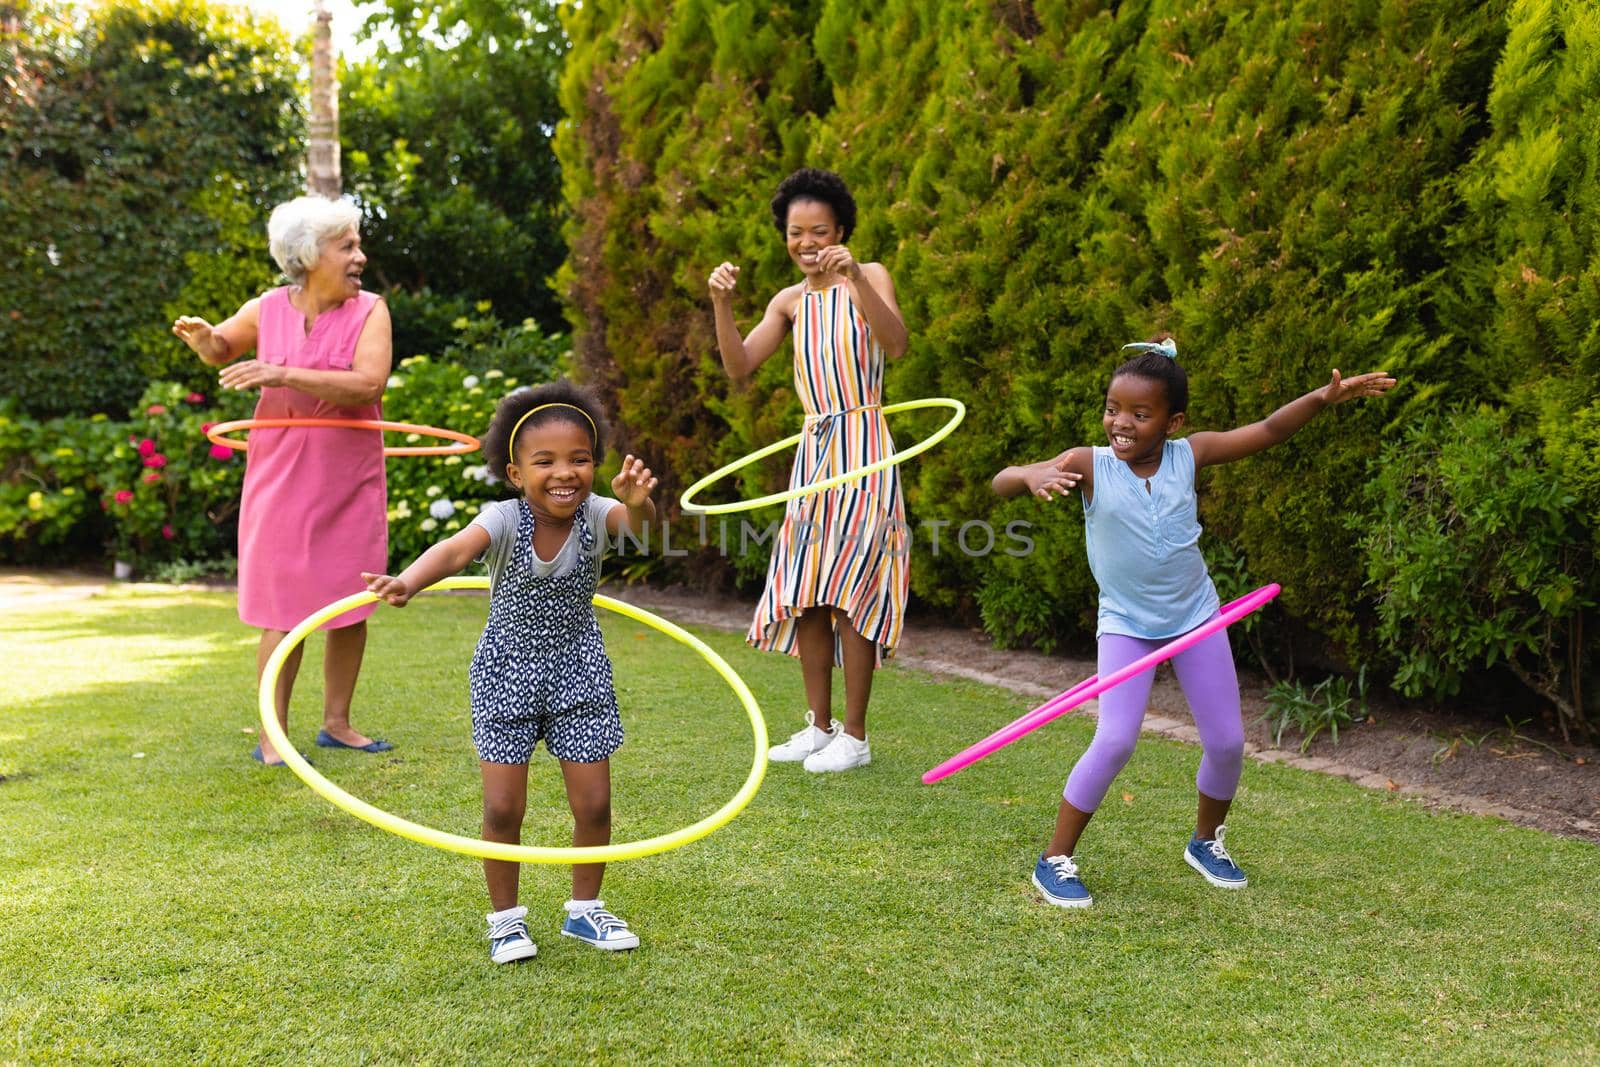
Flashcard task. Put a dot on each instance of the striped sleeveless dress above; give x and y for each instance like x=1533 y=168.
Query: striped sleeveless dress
x=848 y=546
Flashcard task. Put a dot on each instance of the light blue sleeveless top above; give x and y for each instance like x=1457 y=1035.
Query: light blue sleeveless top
x=1144 y=547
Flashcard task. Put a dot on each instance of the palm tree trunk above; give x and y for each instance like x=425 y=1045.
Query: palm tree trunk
x=322 y=154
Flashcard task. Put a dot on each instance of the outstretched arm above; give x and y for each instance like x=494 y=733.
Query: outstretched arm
x=448 y=557
x=741 y=356
x=224 y=342
x=1049 y=476
x=1211 y=448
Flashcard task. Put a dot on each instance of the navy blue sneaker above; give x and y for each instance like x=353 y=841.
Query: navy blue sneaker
x=1057 y=878
x=600 y=928
x=508 y=936
x=1214 y=863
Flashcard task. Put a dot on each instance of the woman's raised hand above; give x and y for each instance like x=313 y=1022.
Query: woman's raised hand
x=251 y=374
x=633 y=482
x=386 y=588
x=722 y=281
x=1341 y=389
x=836 y=259
x=196 y=333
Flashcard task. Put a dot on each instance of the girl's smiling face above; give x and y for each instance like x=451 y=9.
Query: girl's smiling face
x=811 y=228
x=554 y=468
x=1136 y=419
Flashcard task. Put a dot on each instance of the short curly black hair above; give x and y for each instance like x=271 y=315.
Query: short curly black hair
x=823 y=186
x=568 y=402
x=1159 y=367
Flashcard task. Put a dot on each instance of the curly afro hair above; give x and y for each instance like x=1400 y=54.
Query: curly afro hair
x=823 y=186
x=513 y=406
x=1158 y=367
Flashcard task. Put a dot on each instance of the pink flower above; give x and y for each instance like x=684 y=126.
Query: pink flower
x=167 y=531
x=156 y=409
x=196 y=398
x=205 y=427
x=146 y=447
x=152 y=477
x=157 y=460
x=124 y=496
x=222 y=452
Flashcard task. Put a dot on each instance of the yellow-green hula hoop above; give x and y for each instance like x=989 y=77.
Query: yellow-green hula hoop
x=495 y=850
x=917 y=449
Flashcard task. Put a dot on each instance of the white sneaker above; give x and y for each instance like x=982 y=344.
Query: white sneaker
x=805 y=742
x=842 y=754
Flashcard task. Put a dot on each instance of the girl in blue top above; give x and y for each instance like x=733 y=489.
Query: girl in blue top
x=540 y=671
x=1143 y=538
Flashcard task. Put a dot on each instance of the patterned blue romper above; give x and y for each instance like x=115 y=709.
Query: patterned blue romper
x=540 y=669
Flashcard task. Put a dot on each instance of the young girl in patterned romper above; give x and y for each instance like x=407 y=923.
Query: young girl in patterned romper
x=540 y=670
x=838 y=578
x=1143 y=534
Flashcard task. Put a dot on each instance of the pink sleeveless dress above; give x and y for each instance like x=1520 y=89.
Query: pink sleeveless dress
x=315 y=508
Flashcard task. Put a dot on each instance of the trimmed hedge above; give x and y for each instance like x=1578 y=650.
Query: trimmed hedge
x=1287 y=187
x=137 y=162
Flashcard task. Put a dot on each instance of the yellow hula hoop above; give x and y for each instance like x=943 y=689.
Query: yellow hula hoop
x=495 y=850
x=917 y=449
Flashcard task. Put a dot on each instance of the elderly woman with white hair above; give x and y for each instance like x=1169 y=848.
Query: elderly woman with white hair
x=315 y=507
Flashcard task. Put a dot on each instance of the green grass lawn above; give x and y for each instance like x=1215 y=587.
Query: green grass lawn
x=191 y=905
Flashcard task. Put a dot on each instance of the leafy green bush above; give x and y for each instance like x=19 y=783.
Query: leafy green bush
x=169 y=492
x=1478 y=558
x=48 y=508
x=151 y=490
x=141 y=145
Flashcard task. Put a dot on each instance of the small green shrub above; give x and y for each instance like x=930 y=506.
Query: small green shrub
x=1328 y=705
x=1478 y=558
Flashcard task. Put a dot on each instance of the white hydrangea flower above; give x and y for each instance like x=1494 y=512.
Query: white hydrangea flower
x=469 y=381
x=429 y=525
x=434 y=490
x=441 y=509
x=395 y=381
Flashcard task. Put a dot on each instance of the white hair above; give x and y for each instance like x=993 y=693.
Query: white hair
x=297 y=230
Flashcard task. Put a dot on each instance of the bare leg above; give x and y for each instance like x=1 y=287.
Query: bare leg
x=860 y=660
x=589 y=794
x=1212 y=813
x=341 y=664
x=505 y=802
x=270 y=640
x=1069 y=827
x=815 y=640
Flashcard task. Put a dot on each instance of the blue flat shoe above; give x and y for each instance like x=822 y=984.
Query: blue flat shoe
x=256 y=755
x=327 y=740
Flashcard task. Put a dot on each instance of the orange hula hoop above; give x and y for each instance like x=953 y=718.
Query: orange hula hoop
x=463 y=443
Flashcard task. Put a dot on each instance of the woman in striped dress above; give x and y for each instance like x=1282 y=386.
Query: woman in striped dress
x=836 y=586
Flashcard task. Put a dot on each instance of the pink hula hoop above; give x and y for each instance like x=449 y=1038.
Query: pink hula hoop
x=1092 y=687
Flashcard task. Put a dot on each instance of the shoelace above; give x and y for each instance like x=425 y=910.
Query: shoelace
x=605 y=922
x=1214 y=846
x=508 y=928
x=1064 y=866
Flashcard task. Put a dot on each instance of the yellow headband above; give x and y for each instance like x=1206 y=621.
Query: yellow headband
x=511 y=445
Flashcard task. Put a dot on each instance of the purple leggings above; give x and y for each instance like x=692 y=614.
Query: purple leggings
x=1211 y=686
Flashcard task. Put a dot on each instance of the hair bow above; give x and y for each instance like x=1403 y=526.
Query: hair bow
x=1168 y=348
